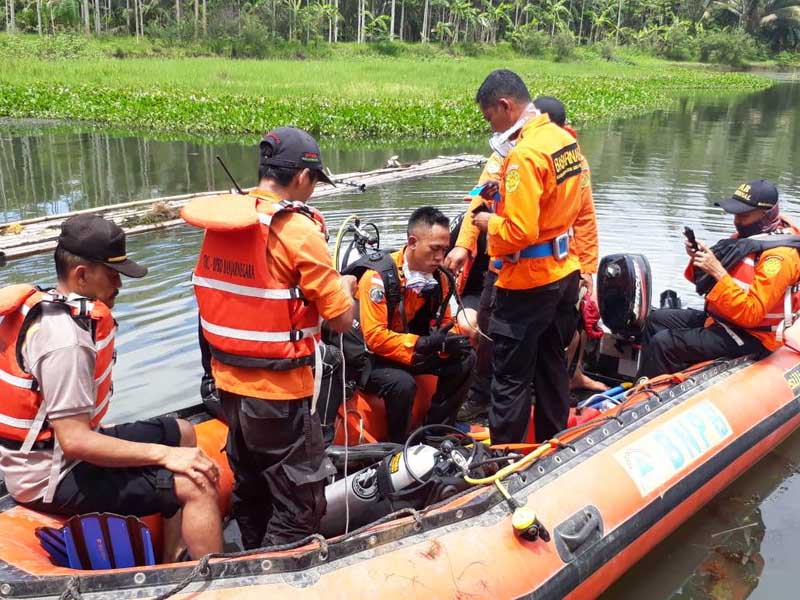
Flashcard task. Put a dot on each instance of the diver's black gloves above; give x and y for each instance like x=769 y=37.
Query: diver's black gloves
x=428 y=345
x=440 y=346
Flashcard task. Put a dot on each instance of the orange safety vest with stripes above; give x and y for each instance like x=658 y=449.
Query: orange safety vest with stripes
x=248 y=318
x=778 y=317
x=23 y=419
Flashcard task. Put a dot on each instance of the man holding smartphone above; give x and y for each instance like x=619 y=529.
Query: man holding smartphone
x=747 y=281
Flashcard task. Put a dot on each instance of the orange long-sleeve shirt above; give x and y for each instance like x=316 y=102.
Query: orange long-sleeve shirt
x=776 y=270
x=541 y=198
x=384 y=339
x=585 y=239
x=469 y=234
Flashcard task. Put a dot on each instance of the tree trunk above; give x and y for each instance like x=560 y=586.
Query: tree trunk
x=425 y=24
x=128 y=15
x=391 y=22
x=136 y=18
x=178 y=12
x=97 y=17
x=336 y=23
x=86 y=27
x=402 y=17
x=12 y=17
x=196 y=17
x=39 y=16
x=205 y=18
x=580 y=28
x=619 y=21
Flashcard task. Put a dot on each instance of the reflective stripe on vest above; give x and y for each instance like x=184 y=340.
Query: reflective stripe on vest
x=243 y=290
x=25 y=384
x=245 y=311
x=778 y=317
x=259 y=336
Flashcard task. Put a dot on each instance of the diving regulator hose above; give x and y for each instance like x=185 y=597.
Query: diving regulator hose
x=339 y=237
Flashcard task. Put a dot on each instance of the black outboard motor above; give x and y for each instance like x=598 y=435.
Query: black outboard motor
x=624 y=293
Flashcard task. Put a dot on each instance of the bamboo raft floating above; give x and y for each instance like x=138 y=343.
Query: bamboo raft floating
x=37 y=235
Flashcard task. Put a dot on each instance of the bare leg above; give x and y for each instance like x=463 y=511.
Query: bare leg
x=173 y=541
x=188 y=435
x=173 y=544
x=201 y=524
x=579 y=380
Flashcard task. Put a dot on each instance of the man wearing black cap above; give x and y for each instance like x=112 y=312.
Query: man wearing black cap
x=57 y=458
x=747 y=281
x=262 y=286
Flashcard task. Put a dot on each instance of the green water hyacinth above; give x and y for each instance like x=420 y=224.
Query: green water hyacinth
x=382 y=112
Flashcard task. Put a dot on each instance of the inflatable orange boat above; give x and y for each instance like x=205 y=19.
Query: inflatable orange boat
x=606 y=494
x=562 y=519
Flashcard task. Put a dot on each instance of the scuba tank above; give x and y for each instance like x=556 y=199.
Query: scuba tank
x=368 y=491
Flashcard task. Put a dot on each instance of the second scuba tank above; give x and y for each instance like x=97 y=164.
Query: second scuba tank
x=366 y=491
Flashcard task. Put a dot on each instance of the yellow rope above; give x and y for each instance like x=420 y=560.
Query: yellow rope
x=517 y=466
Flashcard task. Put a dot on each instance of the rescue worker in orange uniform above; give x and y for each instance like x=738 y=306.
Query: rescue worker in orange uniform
x=55 y=381
x=584 y=237
x=263 y=281
x=417 y=338
x=534 y=316
x=748 y=304
x=468 y=257
x=468 y=253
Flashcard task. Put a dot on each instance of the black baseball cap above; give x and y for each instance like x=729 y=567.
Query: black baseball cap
x=754 y=195
x=99 y=240
x=553 y=107
x=292 y=148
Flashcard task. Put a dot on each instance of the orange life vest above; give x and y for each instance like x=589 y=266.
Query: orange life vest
x=784 y=313
x=248 y=317
x=22 y=417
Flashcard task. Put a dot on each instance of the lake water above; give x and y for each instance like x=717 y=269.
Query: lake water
x=651 y=176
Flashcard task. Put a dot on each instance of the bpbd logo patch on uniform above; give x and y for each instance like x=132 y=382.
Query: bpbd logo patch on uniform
x=567 y=163
x=512 y=180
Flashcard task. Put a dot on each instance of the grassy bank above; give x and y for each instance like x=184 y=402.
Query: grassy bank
x=354 y=95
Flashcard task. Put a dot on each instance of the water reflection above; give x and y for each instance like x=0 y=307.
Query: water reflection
x=46 y=169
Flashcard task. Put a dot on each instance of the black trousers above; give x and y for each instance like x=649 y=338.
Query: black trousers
x=531 y=330
x=278 y=460
x=675 y=339
x=395 y=383
x=480 y=391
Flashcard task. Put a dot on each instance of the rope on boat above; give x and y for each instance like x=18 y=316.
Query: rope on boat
x=201 y=568
x=72 y=591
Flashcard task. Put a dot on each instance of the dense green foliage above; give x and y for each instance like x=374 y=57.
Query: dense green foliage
x=352 y=97
x=252 y=28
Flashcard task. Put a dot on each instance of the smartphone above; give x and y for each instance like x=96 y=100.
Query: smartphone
x=480 y=208
x=688 y=232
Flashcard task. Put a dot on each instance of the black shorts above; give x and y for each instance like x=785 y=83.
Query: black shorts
x=138 y=491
